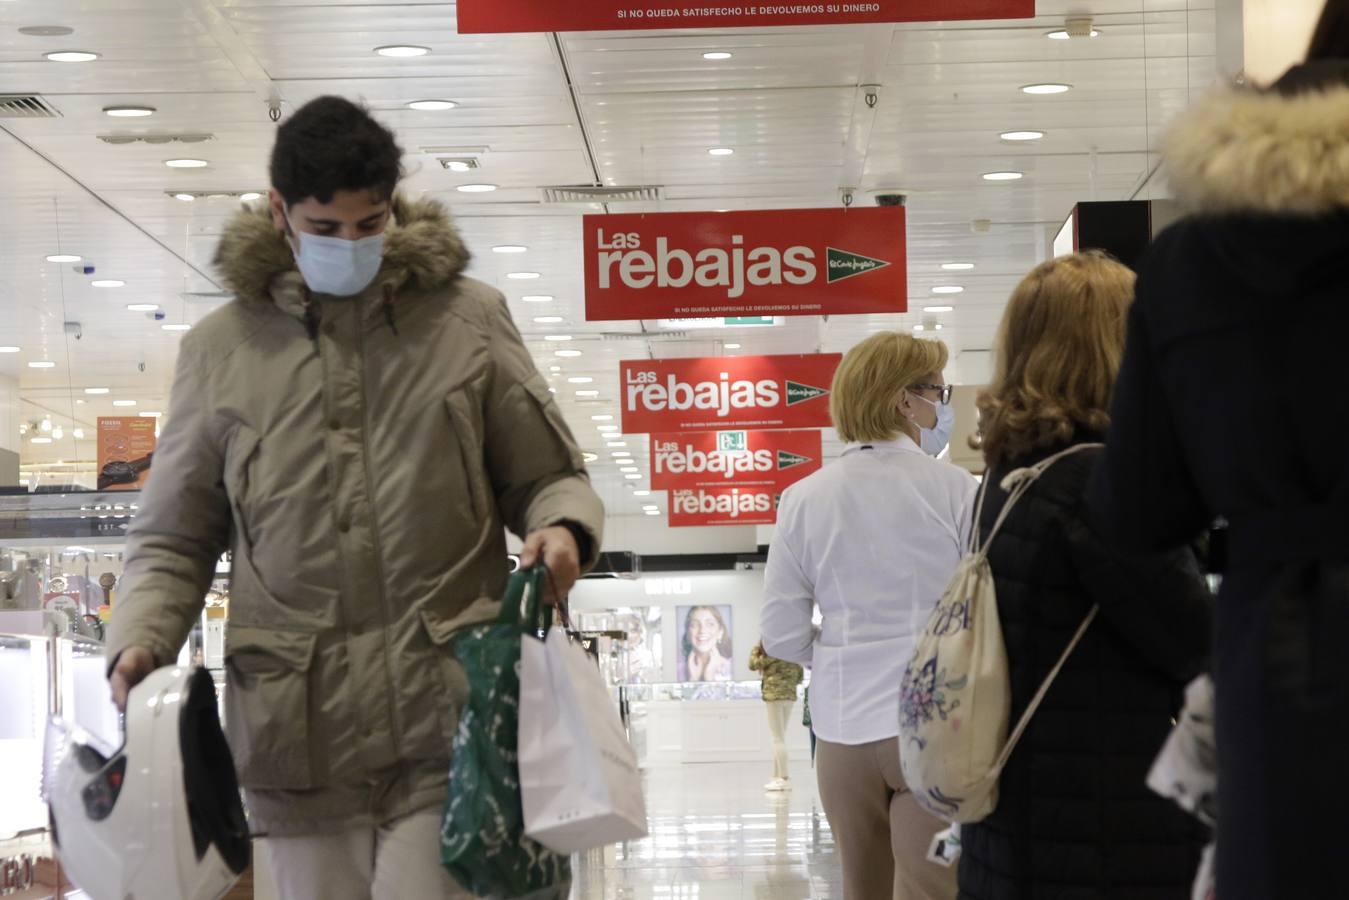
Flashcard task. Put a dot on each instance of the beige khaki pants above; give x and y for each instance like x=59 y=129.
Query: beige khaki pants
x=883 y=835
x=397 y=861
x=779 y=714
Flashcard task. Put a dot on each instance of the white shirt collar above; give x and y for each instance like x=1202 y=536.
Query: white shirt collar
x=901 y=444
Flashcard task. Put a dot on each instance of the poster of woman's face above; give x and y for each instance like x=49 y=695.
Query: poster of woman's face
x=706 y=648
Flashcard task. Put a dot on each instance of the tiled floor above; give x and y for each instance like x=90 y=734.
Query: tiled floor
x=716 y=835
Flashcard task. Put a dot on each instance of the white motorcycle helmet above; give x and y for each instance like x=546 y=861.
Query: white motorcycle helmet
x=160 y=818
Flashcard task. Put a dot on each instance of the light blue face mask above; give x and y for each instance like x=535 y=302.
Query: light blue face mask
x=335 y=266
x=935 y=439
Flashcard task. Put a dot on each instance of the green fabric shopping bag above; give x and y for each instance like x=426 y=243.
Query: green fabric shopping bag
x=482 y=840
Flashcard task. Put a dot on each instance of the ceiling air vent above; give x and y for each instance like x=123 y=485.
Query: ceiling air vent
x=586 y=193
x=26 y=106
x=189 y=138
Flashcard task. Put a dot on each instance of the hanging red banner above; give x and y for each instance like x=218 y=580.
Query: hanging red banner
x=720 y=458
x=724 y=506
x=717 y=393
x=495 y=16
x=782 y=262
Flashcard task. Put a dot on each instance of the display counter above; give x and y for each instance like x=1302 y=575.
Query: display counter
x=707 y=723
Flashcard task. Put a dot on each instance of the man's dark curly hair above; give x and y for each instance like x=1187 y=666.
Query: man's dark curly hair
x=330 y=144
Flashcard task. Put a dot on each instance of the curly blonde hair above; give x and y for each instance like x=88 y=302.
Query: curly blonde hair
x=1058 y=355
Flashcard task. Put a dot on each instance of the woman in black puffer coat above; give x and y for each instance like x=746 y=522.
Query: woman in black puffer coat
x=1075 y=820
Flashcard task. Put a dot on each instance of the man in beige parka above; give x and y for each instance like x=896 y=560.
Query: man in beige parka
x=358 y=425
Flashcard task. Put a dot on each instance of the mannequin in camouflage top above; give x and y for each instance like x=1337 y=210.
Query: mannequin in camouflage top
x=780 y=680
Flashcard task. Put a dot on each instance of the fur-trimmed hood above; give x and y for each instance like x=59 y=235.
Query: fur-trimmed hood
x=422 y=251
x=1282 y=151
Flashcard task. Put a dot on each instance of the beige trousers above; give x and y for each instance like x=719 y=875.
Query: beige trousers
x=883 y=835
x=396 y=861
x=779 y=714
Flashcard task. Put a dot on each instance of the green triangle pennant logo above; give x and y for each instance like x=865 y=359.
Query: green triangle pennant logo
x=800 y=393
x=788 y=460
x=844 y=264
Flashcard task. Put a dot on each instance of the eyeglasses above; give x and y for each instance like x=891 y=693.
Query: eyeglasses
x=945 y=390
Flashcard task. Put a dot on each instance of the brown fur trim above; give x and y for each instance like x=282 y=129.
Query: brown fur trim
x=1245 y=151
x=423 y=250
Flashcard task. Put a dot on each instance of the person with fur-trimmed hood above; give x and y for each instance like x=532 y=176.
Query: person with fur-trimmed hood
x=1231 y=403
x=357 y=425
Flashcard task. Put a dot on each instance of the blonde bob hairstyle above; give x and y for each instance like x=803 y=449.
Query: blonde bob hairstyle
x=865 y=400
x=1057 y=356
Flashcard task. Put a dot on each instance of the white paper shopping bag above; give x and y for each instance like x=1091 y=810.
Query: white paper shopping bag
x=578 y=774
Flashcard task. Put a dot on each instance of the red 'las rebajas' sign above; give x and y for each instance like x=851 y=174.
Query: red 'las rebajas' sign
x=724 y=506
x=790 y=262
x=718 y=393
x=495 y=16
x=720 y=458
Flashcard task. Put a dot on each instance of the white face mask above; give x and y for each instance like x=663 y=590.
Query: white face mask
x=934 y=440
x=335 y=266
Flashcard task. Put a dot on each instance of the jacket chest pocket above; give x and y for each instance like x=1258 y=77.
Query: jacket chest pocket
x=239 y=455
x=268 y=707
x=464 y=410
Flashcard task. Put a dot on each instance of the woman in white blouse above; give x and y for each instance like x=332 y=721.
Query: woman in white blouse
x=871 y=540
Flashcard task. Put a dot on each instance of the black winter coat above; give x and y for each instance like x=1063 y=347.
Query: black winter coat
x=1232 y=403
x=1075 y=820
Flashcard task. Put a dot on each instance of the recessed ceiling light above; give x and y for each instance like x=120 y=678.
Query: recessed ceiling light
x=619 y=454
x=919 y=328
x=717 y=54
x=557 y=337
x=149 y=415
x=71 y=56
x=402 y=51
x=9 y=349
x=522 y=276
x=41 y=440
x=509 y=248
x=633 y=477
x=1063 y=35
x=124 y=403
x=650 y=507
x=186 y=198
x=547 y=320
x=129 y=112
x=1003 y=176
x=948 y=289
x=1046 y=88
x=629 y=469
x=720 y=151
x=554 y=368
x=732 y=346
x=63 y=258
x=607 y=428
x=641 y=493
x=616 y=443
x=186 y=163
x=568 y=354
x=938 y=309
x=601 y=418
x=250 y=196
x=96 y=391
x=1021 y=135
x=476 y=188
x=142 y=307
x=458 y=165
x=587 y=394
x=432 y=105
x=957 y=267
x=78 y=434
x=42 y=364
x=579 y=379
x=939 y=326
x=107 y=283
x=537 y=298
